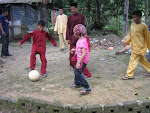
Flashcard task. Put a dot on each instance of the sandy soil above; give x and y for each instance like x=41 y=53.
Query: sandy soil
x=107 y=86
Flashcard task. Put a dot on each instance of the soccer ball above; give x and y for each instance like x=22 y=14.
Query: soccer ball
x=34 y=75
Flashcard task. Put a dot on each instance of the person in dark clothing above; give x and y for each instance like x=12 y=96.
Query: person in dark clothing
x=4 y=32
x=73 y=19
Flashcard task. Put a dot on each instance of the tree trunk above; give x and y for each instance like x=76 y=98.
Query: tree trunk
x=71 y=1
x=102 y=11
x=125 y=19
x=98 y=11
x=89 y=5
x=43 y=13
x=119 y=21
x=117 y=18
x=146 y=12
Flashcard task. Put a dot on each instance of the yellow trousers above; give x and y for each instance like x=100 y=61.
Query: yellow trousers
x=61 y=37
x=134 y=59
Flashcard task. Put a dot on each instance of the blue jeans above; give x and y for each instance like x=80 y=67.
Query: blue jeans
x=79 y=78
x=5 y=44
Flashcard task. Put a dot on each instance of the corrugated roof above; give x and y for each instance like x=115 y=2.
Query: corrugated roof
x=25 y=1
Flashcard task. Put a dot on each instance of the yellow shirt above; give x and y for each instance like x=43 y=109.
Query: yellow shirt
x=61 y=23
x=139 y=38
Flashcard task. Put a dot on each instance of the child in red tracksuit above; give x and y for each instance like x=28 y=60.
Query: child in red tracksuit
x=39 y=46
x=74 y=60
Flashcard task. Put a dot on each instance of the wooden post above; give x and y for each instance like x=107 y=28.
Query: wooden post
x=125 y=19
x=43 y=13
x=11 y=27
x=146 y=13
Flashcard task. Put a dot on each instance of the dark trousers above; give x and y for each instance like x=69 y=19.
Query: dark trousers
x=79 y=78
x=5 y=44
x=86 y=71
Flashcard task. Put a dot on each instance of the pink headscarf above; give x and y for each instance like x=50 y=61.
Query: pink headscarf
x=80 y=29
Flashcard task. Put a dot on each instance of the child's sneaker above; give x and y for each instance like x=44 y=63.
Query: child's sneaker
x=30 y=69
x=61 y=49
x=89 y=78
x=85 y=91
x=44 y=75
x=75 y=86
x=71 y=68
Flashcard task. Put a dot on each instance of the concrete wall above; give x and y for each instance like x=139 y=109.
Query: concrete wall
x=30 y=105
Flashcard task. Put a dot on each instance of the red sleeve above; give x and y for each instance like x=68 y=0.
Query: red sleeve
x=29 y=35
x=68 y=34
x=88 y=41
x=51 y=39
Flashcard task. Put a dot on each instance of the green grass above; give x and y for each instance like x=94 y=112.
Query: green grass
x=98 y=77
x=126 y=60
x=13 y=45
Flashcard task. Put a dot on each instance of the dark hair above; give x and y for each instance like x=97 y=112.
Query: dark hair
x=60 y=8
x=4 y=10
x=74 y=4
x=137 y=13
x=41 y=22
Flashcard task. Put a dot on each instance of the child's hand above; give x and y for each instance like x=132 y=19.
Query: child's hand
x=124 y=44
x=78 y=65
x=4 y=33
x=19 y=44
x=72 y=50
x=55 y=32
x=69 y=42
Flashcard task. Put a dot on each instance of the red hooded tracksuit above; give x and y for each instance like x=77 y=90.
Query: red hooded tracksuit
x=74 y=60
x=39 y=47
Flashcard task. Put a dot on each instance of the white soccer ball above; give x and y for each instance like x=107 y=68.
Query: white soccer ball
x=34 y=75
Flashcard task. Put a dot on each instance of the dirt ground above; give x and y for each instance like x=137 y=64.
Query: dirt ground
x=107 y=86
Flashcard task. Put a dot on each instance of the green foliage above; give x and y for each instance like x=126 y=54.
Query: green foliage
x=108 y=17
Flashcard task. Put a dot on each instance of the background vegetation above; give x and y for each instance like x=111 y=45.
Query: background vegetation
x=106 y=15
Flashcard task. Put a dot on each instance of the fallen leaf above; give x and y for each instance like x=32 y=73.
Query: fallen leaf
x=136 y=87
x=110 y=48
x=148 y=97
x=136 y=94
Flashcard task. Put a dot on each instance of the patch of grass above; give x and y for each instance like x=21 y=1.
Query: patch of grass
x=112 y=56
x=94 y=84
x=56 y=101
x=98 y=77
x=13 y=45
x=1 y=71
x=86 y=103
x=104 y=86
x=26 y=68
x=139 y=98
x=126 y=59
x=79 y=95
x=112 y=29
x=37 y=64
x=110 y=89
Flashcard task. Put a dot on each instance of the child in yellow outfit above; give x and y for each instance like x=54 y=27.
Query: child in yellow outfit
x=140 y=41
x=60 y=27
